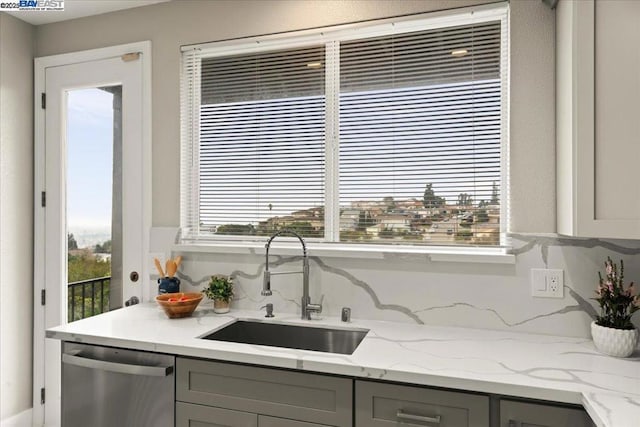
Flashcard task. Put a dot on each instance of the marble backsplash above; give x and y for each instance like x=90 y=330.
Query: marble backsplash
x=411 y=288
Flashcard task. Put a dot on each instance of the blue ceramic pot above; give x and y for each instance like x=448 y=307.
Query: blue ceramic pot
x=168 y=285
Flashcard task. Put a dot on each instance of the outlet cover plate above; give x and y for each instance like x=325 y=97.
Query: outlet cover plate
x=547 y=283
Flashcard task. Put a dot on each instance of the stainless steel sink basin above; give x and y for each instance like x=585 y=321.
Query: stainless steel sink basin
x=342 y=341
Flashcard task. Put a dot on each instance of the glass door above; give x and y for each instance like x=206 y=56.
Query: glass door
x=92 y=230
x=94 y=188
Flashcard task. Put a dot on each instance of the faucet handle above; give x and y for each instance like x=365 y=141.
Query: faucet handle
x=314 y=308
x=346 y=314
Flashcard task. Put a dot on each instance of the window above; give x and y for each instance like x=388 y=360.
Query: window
x=389 y=133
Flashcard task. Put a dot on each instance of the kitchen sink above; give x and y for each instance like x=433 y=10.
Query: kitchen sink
x=329 y=340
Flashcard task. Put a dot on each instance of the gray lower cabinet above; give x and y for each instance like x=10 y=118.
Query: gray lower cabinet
x=264 y=421
x=263 y=393
x=214 y=394
x=384 y=405
x=524 y=414
x=190 y=415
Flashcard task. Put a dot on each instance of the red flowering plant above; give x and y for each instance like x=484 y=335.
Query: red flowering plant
x=617 y=304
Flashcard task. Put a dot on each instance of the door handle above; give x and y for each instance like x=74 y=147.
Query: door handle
x=402 y=416
x=132 y=301
x=122 y=368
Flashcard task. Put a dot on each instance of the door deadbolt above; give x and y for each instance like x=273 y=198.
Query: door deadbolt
x=132 y=301
x=134 y=276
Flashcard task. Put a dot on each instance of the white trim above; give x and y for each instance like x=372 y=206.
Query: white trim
x=40 y=66
x=331 y=38
x=358 y=30
x=332 y=143
x=505 y=162
x=360 y=251
x=21 y=419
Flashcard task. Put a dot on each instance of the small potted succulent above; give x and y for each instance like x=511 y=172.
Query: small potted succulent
x=220 y=290
x=613 y=332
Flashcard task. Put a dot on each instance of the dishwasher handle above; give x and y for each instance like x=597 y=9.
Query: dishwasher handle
x=122 y=368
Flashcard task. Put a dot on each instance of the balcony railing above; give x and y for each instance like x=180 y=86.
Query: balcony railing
x=88 y=298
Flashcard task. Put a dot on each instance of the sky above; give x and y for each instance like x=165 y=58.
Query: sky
x=89 y=160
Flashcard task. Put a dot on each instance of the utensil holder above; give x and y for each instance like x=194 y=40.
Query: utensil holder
x=168 y=285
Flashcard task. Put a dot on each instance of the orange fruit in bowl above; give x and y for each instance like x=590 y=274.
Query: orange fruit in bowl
x=179 y=304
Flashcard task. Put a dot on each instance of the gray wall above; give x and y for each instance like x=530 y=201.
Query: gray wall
x=16 y=215
x=170 y=25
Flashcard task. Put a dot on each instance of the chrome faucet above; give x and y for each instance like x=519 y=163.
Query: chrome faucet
x=307 y=307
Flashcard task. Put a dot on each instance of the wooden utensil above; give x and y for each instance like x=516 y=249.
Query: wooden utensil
x=178 y=260
x=171 y=268
x=158 y=266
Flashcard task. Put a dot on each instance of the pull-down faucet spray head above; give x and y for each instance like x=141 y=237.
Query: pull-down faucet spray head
x=266 y=284
x=266 y=277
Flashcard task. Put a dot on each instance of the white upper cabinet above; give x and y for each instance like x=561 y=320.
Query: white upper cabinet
x=598 y=118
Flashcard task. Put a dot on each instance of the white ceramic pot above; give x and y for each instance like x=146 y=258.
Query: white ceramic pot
x=614 y=342
x=220 y=306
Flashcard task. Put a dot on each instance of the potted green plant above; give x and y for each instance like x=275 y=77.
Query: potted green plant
x=220 y=291
x=613 y=332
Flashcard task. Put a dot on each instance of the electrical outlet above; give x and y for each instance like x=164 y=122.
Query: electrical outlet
x=546 y=283
x=555 y=283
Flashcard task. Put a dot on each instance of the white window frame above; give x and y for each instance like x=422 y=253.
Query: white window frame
x=331 y=36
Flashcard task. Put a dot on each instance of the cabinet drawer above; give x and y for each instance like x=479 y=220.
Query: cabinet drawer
x=521 y=414
x=301 y=396
x=264 y=421
x=188 y=415
x=379 y=405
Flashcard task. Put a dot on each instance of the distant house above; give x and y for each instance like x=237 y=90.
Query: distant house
x=395 y=222
x=303 y=214
x=374 y=230
x=411 y=205
x=367 y=204
x=349 y=219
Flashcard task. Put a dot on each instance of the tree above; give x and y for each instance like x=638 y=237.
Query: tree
x=464 y=234
x=430 y=200
x=482 y=216
x=364 y=220
x=71 y=242
x=390 y=203
x=494 y=194
x=104 y=248
x=386 y=233
x=304 y=228
x=86 y=266
x=464 y=199
x=241 y=229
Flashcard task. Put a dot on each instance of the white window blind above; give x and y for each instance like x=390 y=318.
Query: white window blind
x=420 y=136
x=394 y=133
x=260 y=150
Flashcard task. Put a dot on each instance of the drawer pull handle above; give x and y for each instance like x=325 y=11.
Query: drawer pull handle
x=410 y=417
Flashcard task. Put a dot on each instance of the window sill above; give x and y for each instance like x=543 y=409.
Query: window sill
x=434 y=254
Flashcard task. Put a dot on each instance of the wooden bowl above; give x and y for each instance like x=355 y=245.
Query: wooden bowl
x=177 y=309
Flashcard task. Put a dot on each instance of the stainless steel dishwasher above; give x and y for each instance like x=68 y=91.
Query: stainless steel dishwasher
x=112 y=387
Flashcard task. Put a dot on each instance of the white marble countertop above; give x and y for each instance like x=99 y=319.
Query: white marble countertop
x=543 y=367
